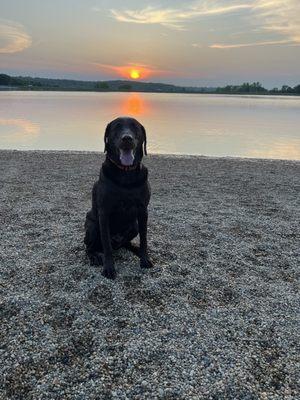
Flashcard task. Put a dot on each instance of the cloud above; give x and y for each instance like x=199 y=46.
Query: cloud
x=13 y=37
x=237 y=46
x=279 y=17
x=173 y=17
x=197 y=45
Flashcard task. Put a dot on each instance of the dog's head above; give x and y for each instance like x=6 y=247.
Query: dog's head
x=125 y=141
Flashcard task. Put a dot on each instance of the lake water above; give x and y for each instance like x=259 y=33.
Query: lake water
x=213 y=125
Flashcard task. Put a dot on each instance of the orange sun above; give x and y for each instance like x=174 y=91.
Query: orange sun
x=135 y=74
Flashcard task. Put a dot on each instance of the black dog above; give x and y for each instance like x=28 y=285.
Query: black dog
x=120 y=197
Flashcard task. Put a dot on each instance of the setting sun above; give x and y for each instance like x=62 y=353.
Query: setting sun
x=133 y=71
x=134 y=74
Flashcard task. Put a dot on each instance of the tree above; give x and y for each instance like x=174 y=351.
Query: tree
x=125 y=87
x=5 y=80
x=102 y=85
x=286 y=89
x=297 y=89
x=256 y=87
x=246 y=87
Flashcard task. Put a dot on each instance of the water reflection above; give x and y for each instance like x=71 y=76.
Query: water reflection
x=18 y=130
x=210 y=125
x=289 y=150
x=135 y=105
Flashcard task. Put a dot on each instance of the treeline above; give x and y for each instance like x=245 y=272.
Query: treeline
x=257 y=88
x=28 y=83
x=6 y=80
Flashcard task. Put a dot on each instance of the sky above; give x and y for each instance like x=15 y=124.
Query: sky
x=197 y=43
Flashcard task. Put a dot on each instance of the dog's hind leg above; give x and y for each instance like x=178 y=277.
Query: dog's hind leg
x=92 y=241
x=133 y=248
x=130 y=235
x=95 y=258
x=124 y=238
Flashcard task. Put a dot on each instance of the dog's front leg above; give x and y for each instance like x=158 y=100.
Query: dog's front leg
x=145 y=261
x=108 y=264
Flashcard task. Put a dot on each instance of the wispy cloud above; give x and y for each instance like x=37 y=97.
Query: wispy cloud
x=237 y=46
x=174 y=17
x=279 y=17
x=272 y=17
x=13 y=37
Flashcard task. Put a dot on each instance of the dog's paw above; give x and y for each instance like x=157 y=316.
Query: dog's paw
x=109 y=273
x=96 y=259
x=146 y=263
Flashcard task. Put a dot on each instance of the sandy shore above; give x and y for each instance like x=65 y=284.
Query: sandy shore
x=215 y=319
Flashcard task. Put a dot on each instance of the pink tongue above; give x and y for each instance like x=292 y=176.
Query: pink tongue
x=126 y=158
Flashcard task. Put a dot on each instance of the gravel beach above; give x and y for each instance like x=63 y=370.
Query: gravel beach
x=216 y=318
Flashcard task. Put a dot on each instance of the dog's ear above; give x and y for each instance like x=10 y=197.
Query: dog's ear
x=106 y=136
x=144 y=140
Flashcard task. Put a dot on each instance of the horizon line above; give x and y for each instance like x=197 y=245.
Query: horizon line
x=140 y=81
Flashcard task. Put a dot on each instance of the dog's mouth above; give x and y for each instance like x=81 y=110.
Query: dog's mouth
x=126 y=157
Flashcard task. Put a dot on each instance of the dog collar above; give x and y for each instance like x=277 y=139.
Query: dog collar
x=107 y=174
x=124 y=167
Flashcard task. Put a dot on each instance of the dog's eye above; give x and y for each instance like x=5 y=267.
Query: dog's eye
x=132 y=127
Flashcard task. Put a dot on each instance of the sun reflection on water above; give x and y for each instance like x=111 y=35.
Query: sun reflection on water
x=135 y=105
x=19 y=130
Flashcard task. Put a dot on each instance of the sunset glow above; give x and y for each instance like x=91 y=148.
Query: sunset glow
x=134 y=105
x=133 y=71
x=135 y=74
x=193 y=43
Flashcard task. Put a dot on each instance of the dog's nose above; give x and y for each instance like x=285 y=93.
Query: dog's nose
x=126 y=138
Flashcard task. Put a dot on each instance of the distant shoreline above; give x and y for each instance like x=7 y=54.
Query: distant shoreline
x=17 y=89
x=8 y=83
